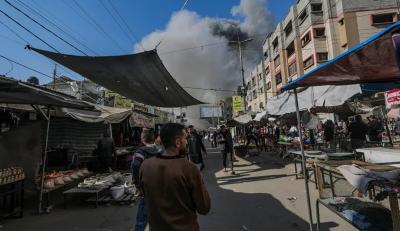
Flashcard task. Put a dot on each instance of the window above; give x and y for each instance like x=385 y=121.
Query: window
x=303 y=16
x=275 y=44
x=290 y=49
x=253 y=81
x=260 y=77
x=254 y=94
x=261 y=105
x=380 y=19
x=277 y=61
x=309 y=62
x=261 y=90
x=278 y=78
x=306 y=39
x=316 y=7
x=288 y=29
x=292 y=69
x=269 y=86
x=266 y=70
x=322 y=57
x=341 y=21
x=266 y=54
x=319 y=32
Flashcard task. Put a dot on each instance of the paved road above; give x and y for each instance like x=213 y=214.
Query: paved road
x=254 y=199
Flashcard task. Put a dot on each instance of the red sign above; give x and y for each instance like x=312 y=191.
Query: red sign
x=392 y=97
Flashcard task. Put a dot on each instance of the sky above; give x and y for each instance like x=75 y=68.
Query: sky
x=88 y=25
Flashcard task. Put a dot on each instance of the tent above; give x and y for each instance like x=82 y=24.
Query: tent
x=18 y=92
x=243 y=119
x=375 y=60
x=141 y=77
x=321 y=96
x=102 y=114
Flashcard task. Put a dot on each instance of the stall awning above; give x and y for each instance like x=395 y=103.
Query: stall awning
x=18 y=92
x=141 y=77
x=321 y=96
x=101 y=114
x=373 y=61
x=243 y=119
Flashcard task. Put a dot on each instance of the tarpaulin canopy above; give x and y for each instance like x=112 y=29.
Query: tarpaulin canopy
x=373 y=61
x=102 y=114
x=243 y=119
x=18 y=92
x=321 y=96
x=260 y=116
x=141 y=77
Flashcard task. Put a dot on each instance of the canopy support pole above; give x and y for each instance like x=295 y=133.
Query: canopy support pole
x=303 y=160
x=44 y=160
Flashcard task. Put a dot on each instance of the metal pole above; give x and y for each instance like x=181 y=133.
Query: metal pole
x=44 y=160
x=303 y=161
x=54 y=76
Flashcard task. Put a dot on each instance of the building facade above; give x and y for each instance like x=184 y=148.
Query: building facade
x=313 y=32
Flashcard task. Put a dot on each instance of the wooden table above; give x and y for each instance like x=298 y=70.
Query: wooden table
x=331 y=167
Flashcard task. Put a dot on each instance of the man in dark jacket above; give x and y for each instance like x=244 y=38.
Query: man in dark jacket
x=145 y=152
x=195 y=148
x=358 y=130
x=227 y=146
x=106 y=152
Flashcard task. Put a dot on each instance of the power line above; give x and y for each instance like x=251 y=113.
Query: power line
x=14 y=32
x=126 y=24
x=116 y=21
x=22 y=65
x=97 y=25
x=45 y=28
x=19 y=24
x=54 y=25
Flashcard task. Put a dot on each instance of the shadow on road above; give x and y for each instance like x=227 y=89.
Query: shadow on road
x=233 y=210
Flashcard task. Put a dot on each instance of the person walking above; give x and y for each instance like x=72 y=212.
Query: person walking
x=150 y=149
x=195 y=148
x=358 y=130
x=226 y=142
x=251 y=134
x=173 y=187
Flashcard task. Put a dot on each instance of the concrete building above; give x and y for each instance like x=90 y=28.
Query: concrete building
x=313 y=32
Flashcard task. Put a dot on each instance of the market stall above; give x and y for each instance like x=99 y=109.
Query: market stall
x=361 y=64
x=18 y=92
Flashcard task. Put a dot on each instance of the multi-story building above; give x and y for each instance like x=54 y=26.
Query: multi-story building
x=313 y=32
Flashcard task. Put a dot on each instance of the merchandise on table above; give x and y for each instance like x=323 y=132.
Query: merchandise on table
x=11 y=174
x=60 y=178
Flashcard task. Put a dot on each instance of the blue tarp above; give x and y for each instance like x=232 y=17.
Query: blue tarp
x=373 y=61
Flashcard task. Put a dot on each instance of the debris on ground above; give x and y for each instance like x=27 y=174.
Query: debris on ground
x=292 y=198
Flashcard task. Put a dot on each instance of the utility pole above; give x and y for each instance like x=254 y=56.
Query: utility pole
x=239 y=44
x=54 y=76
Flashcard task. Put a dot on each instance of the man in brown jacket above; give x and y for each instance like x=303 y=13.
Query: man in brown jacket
x=173 y=187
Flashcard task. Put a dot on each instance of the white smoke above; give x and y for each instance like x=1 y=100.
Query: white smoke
x=214 y=63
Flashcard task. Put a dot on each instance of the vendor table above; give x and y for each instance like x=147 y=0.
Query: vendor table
x=392 y=189
x=381 y=155
x=284 y=147
x=357 y=212
x=310 y=156
x=96 y=192
x=12 y=199
x=63 y=187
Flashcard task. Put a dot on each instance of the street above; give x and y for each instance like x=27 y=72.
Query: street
x=263 y=195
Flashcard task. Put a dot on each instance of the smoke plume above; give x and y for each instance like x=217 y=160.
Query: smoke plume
x=199 y=53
